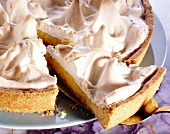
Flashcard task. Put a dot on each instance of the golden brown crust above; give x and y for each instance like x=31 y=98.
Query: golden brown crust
x=48 y=39
x=13 y=100
x=118 y=112
x=136 y=57
x=146 y=110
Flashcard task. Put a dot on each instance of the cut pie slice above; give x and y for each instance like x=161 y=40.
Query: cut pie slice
x=112 y=90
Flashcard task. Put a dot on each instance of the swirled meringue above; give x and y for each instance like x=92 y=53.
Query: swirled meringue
x=102 y=78
x=23 y=66
x=108 y=25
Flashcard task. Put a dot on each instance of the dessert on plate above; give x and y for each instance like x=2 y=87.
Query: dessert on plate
x=94 y=46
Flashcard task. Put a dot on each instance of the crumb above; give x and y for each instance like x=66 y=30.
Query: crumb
x=63 y=114
x=73 y=106
x=50 y=112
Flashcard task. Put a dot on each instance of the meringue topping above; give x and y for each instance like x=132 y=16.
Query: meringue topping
x=22 y=61
x=11 y=32
x=3 y=16
x=72 y=16
x=23 y=66
x=18 y=22
x=17 y=10
x=107 y=24
x=118 y=82
x=37 y=11
x=102 y=78
x=110 y=18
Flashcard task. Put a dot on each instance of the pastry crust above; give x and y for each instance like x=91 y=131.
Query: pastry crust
x=28 y=101
x=137 y=56
x=117 y=112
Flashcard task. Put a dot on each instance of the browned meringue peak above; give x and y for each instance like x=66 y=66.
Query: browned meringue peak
x=108 y=16
x=23 y=66
x=90 y=7
x=11 y=32
x=51 y=6
x=87 y=10
x=136 y=35
x=121 y=46
x=102 y=39
x=73 y=16
x=37 y=11
x=95 y=3
x=119 y=81
x=49 y=3
x=89 y=65
x=3 y=16
x=129 y=7
x=17 y=10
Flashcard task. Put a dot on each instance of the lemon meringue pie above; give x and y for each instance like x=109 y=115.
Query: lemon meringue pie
x=109 y=88
x=94 y=46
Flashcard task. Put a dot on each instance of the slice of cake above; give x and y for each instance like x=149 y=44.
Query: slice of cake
x=121 y=27
x=26 y=85
x=111 y=89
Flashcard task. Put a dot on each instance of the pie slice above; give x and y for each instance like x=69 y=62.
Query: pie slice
x=112 y=90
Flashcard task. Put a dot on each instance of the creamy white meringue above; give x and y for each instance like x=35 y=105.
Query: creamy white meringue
x=11 y=32
x=23 y=66
x=22 y=61
x=108 y=24
x=118 y=82
x=18 y=21
x=117 y=34
x=102 y=78
x=72 y=16
x=3 y=16
x=17 y=10
x=37 y=11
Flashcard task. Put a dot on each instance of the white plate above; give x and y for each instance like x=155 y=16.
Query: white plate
x=155 y=55
x=157 y=51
